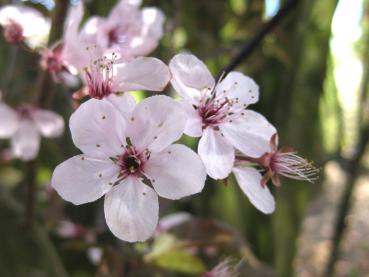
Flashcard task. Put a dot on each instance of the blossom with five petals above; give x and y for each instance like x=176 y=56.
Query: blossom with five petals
x=128 y=156
x=25 y=126
x=218 y=113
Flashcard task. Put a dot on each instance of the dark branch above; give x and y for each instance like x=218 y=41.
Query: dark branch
x=251 y=44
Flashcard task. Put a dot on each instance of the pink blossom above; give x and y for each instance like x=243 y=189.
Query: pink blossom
x=274 y=163
x=218 y=113
x=25 y=126
x=127 y=32
x=128 y=156
x=24 y=24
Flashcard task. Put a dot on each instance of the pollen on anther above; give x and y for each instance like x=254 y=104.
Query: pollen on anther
x=82 y=158
x=153 y=180
x=155 y=137
x=144 y=193
x=132 y=118
x=97 y=145
x=103 y=117
x=100 y=175
x=169 y=152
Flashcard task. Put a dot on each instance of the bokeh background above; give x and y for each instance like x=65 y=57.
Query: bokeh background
x=313 y=71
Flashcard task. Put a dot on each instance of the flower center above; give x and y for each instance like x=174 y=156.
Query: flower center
x=51 y=60
x=13 y=32
x=213 y=112
x=100 y=78
x=115 y=36
x=25 y=111
x=132 y=164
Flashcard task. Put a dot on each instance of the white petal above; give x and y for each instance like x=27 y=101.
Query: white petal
x=193 y=126
x=48 y=123
x=98 y=128
x=190 y=76
x=176 y=172
x=26 y=141
x=82 y=179
x=156 y=122
x=125 y=103
x=142 y=73
x=238 y=85
x=131 y=210
x=250 y=133
x=172 y=220
x=153 y=20
x=249 y=180
x=9 y=121
x=74 y=50
x=216 y=153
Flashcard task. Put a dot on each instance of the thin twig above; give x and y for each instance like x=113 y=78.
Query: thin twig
x=251 y=44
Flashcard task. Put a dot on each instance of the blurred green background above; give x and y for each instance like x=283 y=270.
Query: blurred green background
x=313 y=74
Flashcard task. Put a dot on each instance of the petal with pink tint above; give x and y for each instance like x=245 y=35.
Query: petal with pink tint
x=9 y=121
x=74 y=49
x=216 y=153
x=193 y=126
x=250 y=133
x=153 y=20
x=142 y=73
x=49 y=124
x=236 y=85
x=156 y=122
x=25 y=143
x=249 y=180
x=172 y=220
x=98 y=129
x=82 y=179
x=125 y=103
x=176 y=172
x=131 y=210
x=190 y=76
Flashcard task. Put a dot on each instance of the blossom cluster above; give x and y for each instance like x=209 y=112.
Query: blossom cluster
x=131 y=153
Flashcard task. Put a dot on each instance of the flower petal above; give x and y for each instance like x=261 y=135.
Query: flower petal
x=98 y=128
x=216 y=153
x=237 y=85
x=156 y=122
x=125 y=103
x=81 y=179
x=249 y=180
x=9 y=121
x=176 y=172
x=26 y=141
x=142 y=73
x=193 y=126
x=250 y=133
x=48 y=123
x=190 y=76
x=131 y=210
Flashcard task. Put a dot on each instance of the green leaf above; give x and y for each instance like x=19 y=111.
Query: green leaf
x=180 y=261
